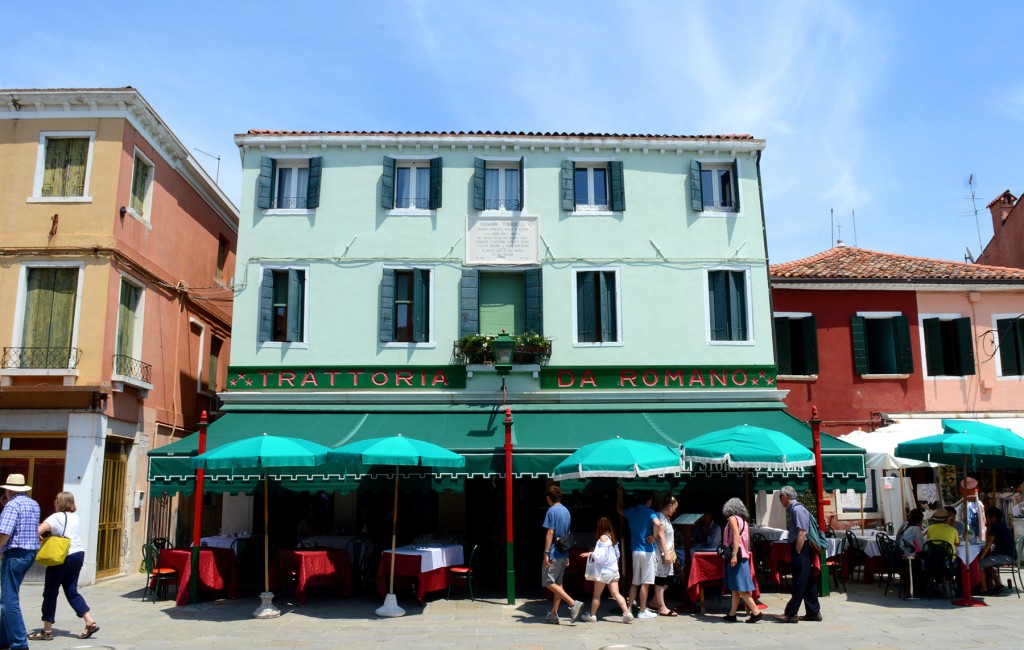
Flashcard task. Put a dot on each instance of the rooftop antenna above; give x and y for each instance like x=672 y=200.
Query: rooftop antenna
x=217 y=158
x=974 y=202
x=832 y=228
x=853 y=213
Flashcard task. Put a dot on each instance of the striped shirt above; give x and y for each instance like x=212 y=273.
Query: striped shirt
x=20 y=520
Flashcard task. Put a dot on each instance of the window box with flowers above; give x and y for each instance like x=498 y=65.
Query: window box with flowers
x=531 y=348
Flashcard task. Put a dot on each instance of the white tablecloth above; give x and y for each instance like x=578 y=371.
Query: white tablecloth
x=869 y=545
x=770 y=534
x=975 y=552
x=434 y=557
x=832 y=543
x=326 y=541
x=221 y=541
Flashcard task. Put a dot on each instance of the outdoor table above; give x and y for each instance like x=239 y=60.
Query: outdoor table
x=326 y=541
x=218 y=570
x=782 y=553
x=708 y=567
x=222 y=541
x=426 y=565
x=769 y=533
x=961 y=555
x=874 y=562
x=315 y=567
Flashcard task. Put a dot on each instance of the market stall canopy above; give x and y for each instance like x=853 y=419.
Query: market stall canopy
x=881 y=443
x=619 y=458
x=977 y=450
x=747 y=447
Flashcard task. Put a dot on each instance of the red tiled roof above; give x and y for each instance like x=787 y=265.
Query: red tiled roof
x=858 y=264
x=512 y=134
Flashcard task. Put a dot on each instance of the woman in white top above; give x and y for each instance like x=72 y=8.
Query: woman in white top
x=665 y=548
x=64 y=523
x=605 y=566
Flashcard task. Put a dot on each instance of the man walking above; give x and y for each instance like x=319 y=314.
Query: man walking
x=804 y=587
x=556 y=525
x=643 y=522
x=19 y=541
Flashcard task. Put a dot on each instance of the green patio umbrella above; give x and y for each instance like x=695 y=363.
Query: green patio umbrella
x=400 y=451
x=745 y=446
x=619 y=458
x=263 y=452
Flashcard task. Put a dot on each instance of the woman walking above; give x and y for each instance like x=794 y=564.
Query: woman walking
x=603 y=569
x=64 y=523
x=665 y=547
x=737 y=566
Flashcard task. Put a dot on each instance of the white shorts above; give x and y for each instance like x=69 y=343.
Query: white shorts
x=643 y=567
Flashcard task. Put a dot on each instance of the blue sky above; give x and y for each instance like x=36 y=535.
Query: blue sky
x=882 y=108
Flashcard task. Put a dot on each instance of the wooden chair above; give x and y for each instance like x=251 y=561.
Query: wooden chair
x=160 y=577
x=463 y=573
x=1013 y=569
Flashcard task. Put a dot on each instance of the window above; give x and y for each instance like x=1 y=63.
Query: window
x=592 y=186
x=411 y=184
x=405 y=306
x=282 y=305
x=47 y=339
x=222 y=257
x=127 y=321
x=1011 y=345
x=63 y=166
x=597 y=306
x=714 y=186
x=881 y=344
x=289 y=183
x=493 y=301
x=215 y=346
x=498 y=185
x=796 y=344
x=142 y=185
x=727 y=306
x=948 y=346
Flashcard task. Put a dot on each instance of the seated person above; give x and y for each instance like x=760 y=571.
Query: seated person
x=707 y=533
x=308 y=526
x=998 y=549
x=940 y=530
x=912 y=540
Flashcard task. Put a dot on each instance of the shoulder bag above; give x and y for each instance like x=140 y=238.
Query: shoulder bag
x=54 y=550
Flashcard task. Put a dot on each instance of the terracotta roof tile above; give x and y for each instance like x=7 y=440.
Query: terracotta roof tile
x=858 y=264
x=512 y=134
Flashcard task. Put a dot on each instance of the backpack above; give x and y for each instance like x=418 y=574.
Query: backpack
x=815 y=537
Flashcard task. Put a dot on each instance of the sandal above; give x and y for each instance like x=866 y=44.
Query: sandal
x=41 y=635
x=670 y=613
x=89 y=631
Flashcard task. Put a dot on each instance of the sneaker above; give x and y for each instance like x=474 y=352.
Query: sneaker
x=646 y=614
x=551 y=618
x=627 y=618
x=588 y=618
x=577 y=607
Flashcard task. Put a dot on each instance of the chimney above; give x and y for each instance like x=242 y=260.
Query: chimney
x=1000 y=209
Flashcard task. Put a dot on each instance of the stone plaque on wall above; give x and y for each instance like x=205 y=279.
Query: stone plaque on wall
x=501 y=240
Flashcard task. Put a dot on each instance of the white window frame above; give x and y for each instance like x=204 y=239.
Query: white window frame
x=297 y=345
x=21 y=306
x=721 y=162
x=413 y=162
x=620 y=326
x=288 y=160
x=998 y=357
x=194 y=322
x=140 y=311
x=791 y=315
x=502 y=163
x=593 y=209
x=431 y=343
x=924 y=348
x=37 y=183
x=147 y=200
x=748 y=298
x=876 y=315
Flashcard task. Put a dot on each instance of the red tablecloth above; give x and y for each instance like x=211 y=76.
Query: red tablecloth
x=218 y=570
x=314 y=567
x=782 y=553
x=407 y=571
x=707 y=568
x=872 y=565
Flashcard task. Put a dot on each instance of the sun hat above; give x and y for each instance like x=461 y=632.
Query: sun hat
x=941 y=514
x=969 y=485
x=16 y=483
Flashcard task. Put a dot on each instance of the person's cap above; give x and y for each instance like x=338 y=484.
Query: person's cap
x=16 y=483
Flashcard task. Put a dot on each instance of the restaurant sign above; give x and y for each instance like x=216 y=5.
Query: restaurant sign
x=314 y=378
x=657 y=377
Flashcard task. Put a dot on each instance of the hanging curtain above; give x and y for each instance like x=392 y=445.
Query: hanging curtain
x=512 y=190
x=491 y=197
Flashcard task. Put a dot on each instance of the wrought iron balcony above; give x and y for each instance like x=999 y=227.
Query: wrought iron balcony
x=503 y=204
x=721 y=206
x=133 y=368
x=289 y=202
x=412 y=202
x=39 y=358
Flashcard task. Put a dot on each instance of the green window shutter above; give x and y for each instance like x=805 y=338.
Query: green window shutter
x=860 y=345
x=469 y=303
x=50 y=311
x=522 y=182
x=53 y=175
x=139 y=175
x=266 y=323
x=965 y=345
x=502 y=300
x=479 y=183
x=387 y=188
x=718 y=305
x=904 y=353
x=933 y=346
x=736 y=184
x=618 y=188
x=783 y=347
x=737 y=306
x=1009 y=347
x=696 y=192
x=265 y=185
x=606 y=288
x=809 y=329
x=421 y=305
x=126 y=310
x=313 y=188
x=296 y=289
x=568 y=183
x=534 y=281
x=435 y=183
x=387 y=306
x=586 y=306
x=78 y=154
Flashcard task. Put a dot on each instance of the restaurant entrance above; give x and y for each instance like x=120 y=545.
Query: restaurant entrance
x=111 y=519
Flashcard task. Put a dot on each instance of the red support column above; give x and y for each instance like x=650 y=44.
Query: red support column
x=197 y=520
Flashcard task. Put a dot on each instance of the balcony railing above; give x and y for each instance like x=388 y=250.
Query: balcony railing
x=721 y=206
x=290 y=202
x=412 y=203
x=512 y=205
x=133 y=368
x=39 y=358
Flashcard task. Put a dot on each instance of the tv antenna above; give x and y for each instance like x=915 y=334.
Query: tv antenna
x=216 y=178
x=974 y=202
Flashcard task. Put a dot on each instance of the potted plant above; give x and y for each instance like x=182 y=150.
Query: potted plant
x=531 y=348
x=474 y=348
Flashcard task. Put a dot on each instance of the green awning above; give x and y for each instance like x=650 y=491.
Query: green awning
x=543 y=436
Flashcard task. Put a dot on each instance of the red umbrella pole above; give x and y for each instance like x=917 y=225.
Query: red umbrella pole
x=967 y=600
x=510 y=575
x=197 y=520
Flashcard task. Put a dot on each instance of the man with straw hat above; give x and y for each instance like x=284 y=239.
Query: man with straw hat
x=941 y=530
x=19 y=541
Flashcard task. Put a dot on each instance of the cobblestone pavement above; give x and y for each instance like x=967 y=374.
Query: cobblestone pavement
x=861 y=618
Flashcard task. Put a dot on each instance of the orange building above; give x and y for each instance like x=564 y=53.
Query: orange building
x=117 y=254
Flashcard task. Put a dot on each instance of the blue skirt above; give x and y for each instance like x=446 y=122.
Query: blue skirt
x=737 y=578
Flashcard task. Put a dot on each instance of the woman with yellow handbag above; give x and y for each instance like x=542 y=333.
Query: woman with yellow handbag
x=63 y=523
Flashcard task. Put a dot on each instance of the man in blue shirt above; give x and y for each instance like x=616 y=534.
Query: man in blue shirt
x=19 y=541
x=805 y=588
x=643 y=528
x=556 y=525
x=998 y=549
